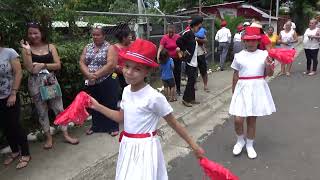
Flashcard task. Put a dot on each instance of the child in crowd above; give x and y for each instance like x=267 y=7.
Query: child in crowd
x=140 y=155
x=201 y=34
x=166 y=69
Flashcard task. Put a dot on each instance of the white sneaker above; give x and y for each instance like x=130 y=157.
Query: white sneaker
x=251 y=152
x=237 y=148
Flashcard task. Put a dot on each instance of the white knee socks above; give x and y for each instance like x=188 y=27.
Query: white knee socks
x=250 y=150
x=249 y=146
x=239 y=145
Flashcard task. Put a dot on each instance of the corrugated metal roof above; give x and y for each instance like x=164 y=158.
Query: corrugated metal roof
x=61 y=24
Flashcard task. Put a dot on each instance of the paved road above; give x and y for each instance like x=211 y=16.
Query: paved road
x=287 y=143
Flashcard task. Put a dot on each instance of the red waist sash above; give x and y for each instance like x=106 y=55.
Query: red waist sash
x=251 y=77
x=129 y=135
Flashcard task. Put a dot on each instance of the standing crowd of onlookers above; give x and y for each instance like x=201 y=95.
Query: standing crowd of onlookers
x=102 y=70
x=269 y=39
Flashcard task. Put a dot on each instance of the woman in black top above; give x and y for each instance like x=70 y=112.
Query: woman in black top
x=41 y=60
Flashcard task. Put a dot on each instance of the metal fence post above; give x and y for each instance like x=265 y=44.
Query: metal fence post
x=212 y=38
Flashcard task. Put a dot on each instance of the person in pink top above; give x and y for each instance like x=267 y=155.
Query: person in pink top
x=168 y=42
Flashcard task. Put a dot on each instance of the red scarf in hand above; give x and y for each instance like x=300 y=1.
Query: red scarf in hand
x=76 y=112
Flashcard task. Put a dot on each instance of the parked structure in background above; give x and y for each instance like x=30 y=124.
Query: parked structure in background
x=234 y=9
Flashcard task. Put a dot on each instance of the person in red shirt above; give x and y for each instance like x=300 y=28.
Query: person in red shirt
x=168 y=42
x=265 y=43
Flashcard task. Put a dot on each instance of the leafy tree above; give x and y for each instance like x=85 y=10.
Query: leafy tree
x=303 y=8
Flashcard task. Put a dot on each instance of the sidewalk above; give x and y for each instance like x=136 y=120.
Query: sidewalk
x=95 y=157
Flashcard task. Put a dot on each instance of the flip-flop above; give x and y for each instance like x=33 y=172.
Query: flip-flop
x=23 y=161
x=207 y=90
x=12 y=158
x=72 y=143
x=89 y=132
x=47 y=147
x=114 y=133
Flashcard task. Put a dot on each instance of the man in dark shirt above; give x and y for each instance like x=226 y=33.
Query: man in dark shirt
x=188 y=45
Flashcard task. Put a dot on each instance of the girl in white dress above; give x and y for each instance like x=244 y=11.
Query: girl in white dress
x=140 y=155
x=251 y=94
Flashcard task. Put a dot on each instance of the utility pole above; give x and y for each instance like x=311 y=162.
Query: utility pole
x=140 y=31
x=270 y=13
x=200 y=7
x=277 y=9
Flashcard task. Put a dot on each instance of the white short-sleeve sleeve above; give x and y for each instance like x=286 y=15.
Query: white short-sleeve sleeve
x=235 y=65
x=160 y=106
x=124 y=93
x=13 y=54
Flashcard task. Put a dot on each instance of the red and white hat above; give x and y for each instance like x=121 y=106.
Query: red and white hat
x=141 y=51
x=251 y=33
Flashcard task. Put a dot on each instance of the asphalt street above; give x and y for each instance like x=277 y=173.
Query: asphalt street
x=287 y=142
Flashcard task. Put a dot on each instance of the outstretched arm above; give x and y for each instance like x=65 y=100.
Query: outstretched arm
x=174 y=124
x=116 y=116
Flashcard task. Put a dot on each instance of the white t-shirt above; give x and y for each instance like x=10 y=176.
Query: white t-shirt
x=194 y=60
x=223 y=35
x=250 y=63
x=287 y=37
x=237 y=37
x=310 y=43
x=143 y=109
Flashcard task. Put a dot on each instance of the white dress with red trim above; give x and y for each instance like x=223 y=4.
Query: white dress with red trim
x=252 y=96
x=140 y=154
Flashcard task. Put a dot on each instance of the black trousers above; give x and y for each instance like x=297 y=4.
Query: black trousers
x=107 y=94
x=12 y=129
x=177 y=73
x=312 y=58
x=189 y=92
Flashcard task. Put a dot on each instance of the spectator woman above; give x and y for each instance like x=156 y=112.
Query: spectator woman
x=41 y=59
x=168 y=42
x=10 y=78
x=311 y=47
x=124 y=40
x=272 y=36
x=97 y=63
x=237 y=43
x=287 y=38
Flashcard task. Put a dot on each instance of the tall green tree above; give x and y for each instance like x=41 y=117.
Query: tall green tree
x=303 y=9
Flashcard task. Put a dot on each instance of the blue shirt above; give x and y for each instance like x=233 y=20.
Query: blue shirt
x=167 y=70
x=201 y=33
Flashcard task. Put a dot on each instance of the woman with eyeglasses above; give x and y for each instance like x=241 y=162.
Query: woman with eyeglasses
x=10 y=78
x=97 y=63
x=42 y=60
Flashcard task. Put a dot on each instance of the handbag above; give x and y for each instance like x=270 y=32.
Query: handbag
x=49 y=88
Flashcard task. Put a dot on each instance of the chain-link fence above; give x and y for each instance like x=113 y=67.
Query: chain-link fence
x=146 y=26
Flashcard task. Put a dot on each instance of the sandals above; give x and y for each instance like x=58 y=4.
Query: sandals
x=206 y=90
x=72 y=143
x=47 y=147
x=23 y=162
x=114 y=133
x=89 y=132
x=10 y=159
